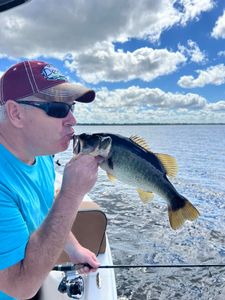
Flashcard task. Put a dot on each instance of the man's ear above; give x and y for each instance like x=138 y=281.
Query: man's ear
x=15 y=113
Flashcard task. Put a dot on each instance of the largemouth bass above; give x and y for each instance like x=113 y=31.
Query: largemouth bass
x=131 y=161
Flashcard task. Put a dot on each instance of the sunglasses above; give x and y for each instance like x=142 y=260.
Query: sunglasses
x=52 y=109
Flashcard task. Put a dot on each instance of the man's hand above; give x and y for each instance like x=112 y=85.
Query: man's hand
x=81 y=255
x=79 y=176
x=85 y=256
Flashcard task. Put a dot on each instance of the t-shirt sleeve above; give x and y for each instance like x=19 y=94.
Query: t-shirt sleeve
x=14 y=233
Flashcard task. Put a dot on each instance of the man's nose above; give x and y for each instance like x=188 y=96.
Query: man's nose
x=70 y=119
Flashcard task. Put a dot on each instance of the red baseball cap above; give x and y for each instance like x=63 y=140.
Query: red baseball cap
x=43 y=80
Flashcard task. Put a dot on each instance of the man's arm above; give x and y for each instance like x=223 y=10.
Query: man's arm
x=46 y=244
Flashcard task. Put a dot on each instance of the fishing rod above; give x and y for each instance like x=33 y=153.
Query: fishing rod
x=76 y=267
x=73 y=284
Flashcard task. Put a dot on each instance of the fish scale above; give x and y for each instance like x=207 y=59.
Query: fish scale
x=144 y=174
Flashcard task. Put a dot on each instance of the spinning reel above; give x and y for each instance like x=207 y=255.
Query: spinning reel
x=72 y=284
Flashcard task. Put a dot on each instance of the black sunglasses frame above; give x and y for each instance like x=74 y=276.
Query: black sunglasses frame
x=52 y=109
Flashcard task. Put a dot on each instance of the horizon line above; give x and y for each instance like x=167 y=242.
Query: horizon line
x=153 y=124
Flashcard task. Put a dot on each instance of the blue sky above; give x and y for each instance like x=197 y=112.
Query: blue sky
x=148 y=61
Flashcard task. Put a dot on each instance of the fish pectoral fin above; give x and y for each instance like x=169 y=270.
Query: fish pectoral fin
x=145 y=196
x=169 y=163
x=111 y=177
x=179 y=216
x=140 y=141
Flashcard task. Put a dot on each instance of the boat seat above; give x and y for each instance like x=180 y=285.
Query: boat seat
x=89 y=228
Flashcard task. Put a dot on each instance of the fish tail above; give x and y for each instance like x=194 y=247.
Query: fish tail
x=177 y=216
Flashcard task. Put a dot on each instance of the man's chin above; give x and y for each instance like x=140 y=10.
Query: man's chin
x=64 y=146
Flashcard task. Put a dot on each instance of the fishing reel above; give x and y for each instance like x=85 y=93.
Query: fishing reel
x=72 y=284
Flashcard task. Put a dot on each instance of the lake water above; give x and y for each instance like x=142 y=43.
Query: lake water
x=140 y=234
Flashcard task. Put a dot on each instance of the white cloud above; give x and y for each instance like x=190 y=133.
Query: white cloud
x=193 y=51
x=193 y=8
x=147 y=105
x=150 y=98
x=104 y=63
x=213 y=75
x=221 y=53
x=45 y=28
x=135 y=102
x=218 y=106
x=219 y=28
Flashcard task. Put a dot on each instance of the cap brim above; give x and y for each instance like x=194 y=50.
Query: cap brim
x=68 y=92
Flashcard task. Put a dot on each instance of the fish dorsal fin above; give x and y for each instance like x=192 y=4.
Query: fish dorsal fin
x=111 y=177
x=145 y=196
x=169 y=163
x=140 y=141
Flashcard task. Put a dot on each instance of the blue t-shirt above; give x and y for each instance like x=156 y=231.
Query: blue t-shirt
x=26 y=195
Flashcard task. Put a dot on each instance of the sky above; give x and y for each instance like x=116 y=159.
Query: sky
x=148 y=61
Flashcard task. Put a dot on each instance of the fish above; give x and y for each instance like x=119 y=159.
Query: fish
x=130 y=160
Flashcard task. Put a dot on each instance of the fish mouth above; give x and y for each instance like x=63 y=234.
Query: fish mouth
x=80 y=146
x=94 y=145
x=76 y=144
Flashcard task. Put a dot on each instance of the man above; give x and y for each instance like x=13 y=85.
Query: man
x=36 y=121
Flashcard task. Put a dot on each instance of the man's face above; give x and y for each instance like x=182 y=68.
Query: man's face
x=47 y=135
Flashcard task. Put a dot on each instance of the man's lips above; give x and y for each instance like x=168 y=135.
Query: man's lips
x=70 y=135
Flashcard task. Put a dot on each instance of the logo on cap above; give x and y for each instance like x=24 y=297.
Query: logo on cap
x=52 y=73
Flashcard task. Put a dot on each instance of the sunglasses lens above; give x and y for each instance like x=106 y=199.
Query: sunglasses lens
x=52 y=109
x=59 y=110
